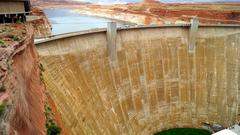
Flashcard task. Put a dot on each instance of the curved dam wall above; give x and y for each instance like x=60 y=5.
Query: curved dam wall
x=155 y=84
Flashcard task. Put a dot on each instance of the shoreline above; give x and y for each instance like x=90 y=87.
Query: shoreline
x=131 y=19
x=73 y=10
x=92 y=15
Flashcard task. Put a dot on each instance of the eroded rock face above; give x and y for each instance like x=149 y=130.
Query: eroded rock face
x=42 y=26
x=160 y=13
x=24 y=96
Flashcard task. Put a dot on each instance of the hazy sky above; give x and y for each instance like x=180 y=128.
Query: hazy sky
x=200 y=0
x=127 y=1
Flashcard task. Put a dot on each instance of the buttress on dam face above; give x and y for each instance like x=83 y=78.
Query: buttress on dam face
x=154 y=84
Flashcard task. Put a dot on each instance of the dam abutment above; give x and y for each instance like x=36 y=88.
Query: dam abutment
x=156 y=84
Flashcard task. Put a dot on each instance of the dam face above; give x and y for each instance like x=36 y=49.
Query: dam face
x=154 y=84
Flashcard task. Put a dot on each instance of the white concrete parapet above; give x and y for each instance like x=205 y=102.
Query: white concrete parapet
x=111 y=40
x=193 y=35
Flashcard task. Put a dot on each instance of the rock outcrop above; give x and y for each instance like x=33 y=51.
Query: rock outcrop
x=42 y=26
x=160 y=13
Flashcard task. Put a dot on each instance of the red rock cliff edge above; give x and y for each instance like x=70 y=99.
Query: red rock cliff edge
x=24 y=96
x=42 y=26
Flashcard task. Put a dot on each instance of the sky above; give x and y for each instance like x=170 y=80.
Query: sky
x=166 y=1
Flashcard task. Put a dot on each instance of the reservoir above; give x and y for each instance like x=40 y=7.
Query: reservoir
x=65 y=21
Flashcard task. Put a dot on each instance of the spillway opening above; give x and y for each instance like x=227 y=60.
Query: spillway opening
x=184 y=131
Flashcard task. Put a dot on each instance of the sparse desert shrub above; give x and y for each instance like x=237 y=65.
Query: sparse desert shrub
x=2 y=109
x=53 y=129
x=2 y=43
x=2 y=88
x=41 y=67
x=41 y=72
x=14 y=37
x=41 y=76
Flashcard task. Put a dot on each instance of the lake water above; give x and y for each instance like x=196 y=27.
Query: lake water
x=64 y=21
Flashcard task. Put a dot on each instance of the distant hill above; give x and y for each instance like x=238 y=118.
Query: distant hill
x=134 y=1
x=39 y=2
x=167 y=1
x=197 y=1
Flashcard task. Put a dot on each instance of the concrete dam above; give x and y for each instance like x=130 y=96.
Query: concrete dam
x=154 y=81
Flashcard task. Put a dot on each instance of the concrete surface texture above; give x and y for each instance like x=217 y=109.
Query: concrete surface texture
x=154 y=84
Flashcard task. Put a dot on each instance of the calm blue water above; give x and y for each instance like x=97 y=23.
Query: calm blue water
x=64 y=21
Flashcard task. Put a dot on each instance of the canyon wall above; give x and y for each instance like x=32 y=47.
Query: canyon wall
x=155 y=84
x=24 y=94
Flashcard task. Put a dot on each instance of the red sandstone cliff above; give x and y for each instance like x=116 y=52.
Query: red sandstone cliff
x=160 y=13
x=42 y=26
x=24 y=95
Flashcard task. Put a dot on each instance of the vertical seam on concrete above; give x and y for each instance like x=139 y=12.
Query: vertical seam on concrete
x=193 y=35
x=225 y=74
x=163 y=67
x=154 y=69
x=237 y=75
x=179 y=93
x=194 y=109
x=112 y=40
x=215 y=73
x=205 y=81
x=130 y=81
x=87 y=85
x=97 y=86
x=179 y=78
x=238 y=92
x=129 y=77
x=156 y=80
x=111 y=67
x=145 y=98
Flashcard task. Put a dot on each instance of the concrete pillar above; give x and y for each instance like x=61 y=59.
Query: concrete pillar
x=111 y=41
x=193 y=35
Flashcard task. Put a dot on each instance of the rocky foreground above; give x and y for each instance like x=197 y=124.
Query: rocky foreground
x=21 y=95
x=25 y=108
